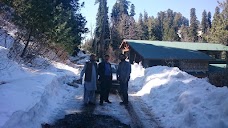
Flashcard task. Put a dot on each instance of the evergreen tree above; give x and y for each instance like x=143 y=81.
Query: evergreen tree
x=170 y=26
x=193 y=29
x=123 y=26
x=159 y=30
x=151 y=28
x=120 y=8
x=217 y=12
x=209 y=20
x=145 y=26
x=204 y=22
x=54 y=22
x=215 y=23
x=167 y=25
x=132 y=12
x=115 y=38
x=184 y=32
x=115 y=15
x=132 y=30
x=140 y=28
x=102 y=32
x=156 y=31
x=219 y=29
x=120 y=22
x=123 y=5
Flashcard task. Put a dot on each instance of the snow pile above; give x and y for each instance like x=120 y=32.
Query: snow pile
x=30 y=97
x=138 y=71
x=7 y=39
x=81 y=58
x=178 y=99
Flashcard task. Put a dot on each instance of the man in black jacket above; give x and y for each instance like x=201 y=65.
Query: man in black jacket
x=105 y=77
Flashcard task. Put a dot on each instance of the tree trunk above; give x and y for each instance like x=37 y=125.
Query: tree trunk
x=27 y=43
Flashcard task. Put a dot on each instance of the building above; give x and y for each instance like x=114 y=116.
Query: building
x=194 y=58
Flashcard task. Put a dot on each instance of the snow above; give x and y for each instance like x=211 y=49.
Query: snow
x=81 y=58
x=114 y=109
x=31 y=96
x=6 y=38
x=178 y=99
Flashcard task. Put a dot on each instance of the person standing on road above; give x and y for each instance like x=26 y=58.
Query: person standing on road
x=105 y=77
x=90 y=81
x=123 y=75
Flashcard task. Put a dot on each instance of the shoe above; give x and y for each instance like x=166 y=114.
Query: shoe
x=108 y=101
x=101 y=103
x=123 y=103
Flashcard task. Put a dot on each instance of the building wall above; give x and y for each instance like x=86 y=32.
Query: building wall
x=194 y=65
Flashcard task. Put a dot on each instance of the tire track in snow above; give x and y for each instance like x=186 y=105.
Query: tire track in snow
x=140 y=116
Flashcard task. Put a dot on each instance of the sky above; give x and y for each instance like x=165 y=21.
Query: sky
x=152 y=7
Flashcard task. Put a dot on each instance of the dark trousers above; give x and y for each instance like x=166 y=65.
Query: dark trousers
x=124 y=91
x=106 y=84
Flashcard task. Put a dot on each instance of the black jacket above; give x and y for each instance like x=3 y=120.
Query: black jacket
x=87 y=70
x=101 y=70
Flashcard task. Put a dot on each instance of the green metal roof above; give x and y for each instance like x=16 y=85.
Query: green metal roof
x=184 y=45
x=151 y=51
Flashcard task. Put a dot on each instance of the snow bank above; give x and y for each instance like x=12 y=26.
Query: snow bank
x=30 y=97
x=6 y=39
x=179 y=99
x=81 y=58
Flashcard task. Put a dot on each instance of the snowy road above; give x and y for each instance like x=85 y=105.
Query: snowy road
x=108 y=115
x=135 y=115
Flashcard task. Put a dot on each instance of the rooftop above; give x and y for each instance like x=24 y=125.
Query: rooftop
x=151 y=51
x=184 y=45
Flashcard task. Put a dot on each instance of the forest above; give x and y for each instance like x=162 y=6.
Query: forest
x=166 y=26
x=59 y=25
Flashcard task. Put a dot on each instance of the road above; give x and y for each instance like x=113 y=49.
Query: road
x=109 y=115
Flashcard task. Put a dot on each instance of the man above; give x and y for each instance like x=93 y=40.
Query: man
x=105 y=77
x=90 y=81
x=123 y=75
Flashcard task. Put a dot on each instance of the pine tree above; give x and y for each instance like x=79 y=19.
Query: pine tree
x=145 y=26
x=151 y=28
x=193 y=29
x=123 y=5
x=159 y=29
x=120 y=22
x=115 y=38
x=132 y=29
x=132 y=12
x=204 y=22
x=209 y=20
x=115 y=15
x=219 y=29
x=102 y=33
x=184 y=32
x=167 y=25
x=170 y=26
x=54 y=22
x=123 y=26
x=140 y=28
